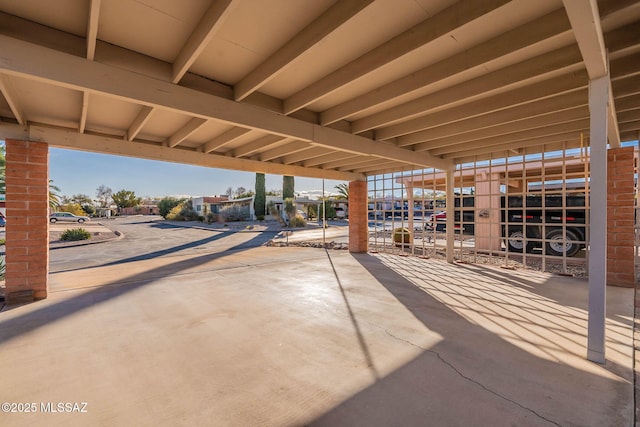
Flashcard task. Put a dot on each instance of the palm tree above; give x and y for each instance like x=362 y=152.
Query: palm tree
x=54 y=197
x=343 y=191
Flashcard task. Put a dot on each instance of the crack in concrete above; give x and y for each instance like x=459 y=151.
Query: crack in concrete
x=457 y=371
x=437 y=354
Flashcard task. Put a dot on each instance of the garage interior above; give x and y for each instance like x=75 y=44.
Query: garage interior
x=348 y=90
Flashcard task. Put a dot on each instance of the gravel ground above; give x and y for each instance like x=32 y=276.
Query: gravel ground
x=313 y=244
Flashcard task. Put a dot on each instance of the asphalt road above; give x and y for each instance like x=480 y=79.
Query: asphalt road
x=147 y=237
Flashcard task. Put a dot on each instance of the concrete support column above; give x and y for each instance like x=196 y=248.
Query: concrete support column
x=27 y=237
x=598 y=103
x=487 y=205
x=450 y=210
x=358 y=231
x=620 y=214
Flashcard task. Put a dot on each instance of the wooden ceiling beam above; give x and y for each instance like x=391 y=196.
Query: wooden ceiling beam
x=69 y=138
x=628 y=116
x=419 y=35
x=92 y=28
x=331 y=157
x=12 y=100
x=586 y=23
x=278 y=152
x=518 y=75
x=378 y=169
x=521 y=96
x=544 y=67
x=515 y=145
x=138 y=123
x=224 y=139
x=184 y=132
x=539 y=108
x=625 y=83
x=630 y=126
x=341 y=12
x=35 y=62
x=536 y=124
x=84 y=112
x=346 y=162
x=303 y=155
x=263 y=143
x=562 y=128
x=371 y=164
x=548 y=26
x=203 y=33
x=562 y=143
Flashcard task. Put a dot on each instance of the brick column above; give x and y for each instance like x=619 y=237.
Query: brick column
x=27 y=237
x=358 y=231
x=620 y=214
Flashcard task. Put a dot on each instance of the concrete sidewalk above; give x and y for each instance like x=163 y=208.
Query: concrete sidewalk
x=297 y=336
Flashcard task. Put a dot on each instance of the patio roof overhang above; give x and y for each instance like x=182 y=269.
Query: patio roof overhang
x=324 y=89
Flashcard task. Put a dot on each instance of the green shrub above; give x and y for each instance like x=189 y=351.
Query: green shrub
x=312 y=211
x=272 y=209
x=175 y=214
x=329 y=210
x=297 y=221
x=290 y=207
x=74 y=234
x=189 y=214
x=167 y=204
x=235 y=212
x=3 y=267
x=74 y=208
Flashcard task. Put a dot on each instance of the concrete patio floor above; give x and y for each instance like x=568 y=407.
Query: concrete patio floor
x=299 y=336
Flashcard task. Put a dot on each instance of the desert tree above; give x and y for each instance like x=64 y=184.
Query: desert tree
x=260 y=201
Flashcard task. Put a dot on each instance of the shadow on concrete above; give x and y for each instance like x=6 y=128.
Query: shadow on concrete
x=50 y=313
x=163 y=225
x=260 y=239
x=477 y=375
x=354 y=322
x=563 y=298
x=168 y=251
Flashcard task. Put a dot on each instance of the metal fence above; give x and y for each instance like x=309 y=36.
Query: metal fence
x=529 y=210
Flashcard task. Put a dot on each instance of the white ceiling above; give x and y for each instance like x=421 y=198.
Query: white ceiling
x=315 y=87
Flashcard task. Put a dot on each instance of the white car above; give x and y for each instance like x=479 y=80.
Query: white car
x=67 y=217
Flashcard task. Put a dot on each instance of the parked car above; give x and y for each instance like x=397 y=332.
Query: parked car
x=3 y=221
x=375 y=215
x=67 y=217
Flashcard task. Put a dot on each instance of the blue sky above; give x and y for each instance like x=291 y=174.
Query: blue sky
x=78 y=172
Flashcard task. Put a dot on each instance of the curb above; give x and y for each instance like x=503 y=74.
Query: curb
x=118 y=235
x=220 y=229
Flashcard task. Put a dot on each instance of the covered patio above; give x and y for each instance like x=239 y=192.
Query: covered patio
x=329 y=89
